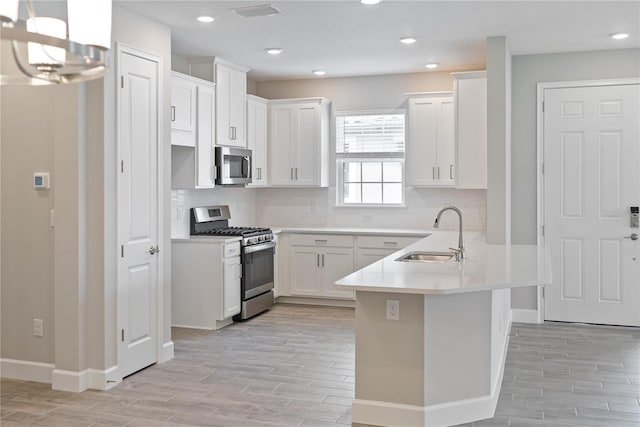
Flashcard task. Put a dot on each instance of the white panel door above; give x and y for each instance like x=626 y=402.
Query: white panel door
x=231 y=288
x=307 y=165
x=257 y=141
x=336 y=263
x=183 y=111
x=224 y=133
x=137 y=213
x=592 y=178
x=238 y=107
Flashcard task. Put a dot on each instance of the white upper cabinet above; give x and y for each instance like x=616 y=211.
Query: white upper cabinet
x=192 y=163
x=430 y=149
x=299 y=142
x=471 y=128
x=183 y=110
x=257 y=113
x=231 y=87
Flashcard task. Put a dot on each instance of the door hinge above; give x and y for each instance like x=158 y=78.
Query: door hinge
x=121 y=166
x=122 y=335
x=543 y=230
x=543 y=106
x=121 y=251
x=122 y=82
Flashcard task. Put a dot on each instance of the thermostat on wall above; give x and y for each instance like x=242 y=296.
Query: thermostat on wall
x=41 y=181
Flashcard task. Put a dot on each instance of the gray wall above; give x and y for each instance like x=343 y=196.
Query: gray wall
x=529 y=70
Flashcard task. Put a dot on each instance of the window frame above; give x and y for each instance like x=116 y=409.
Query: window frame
x=341 y=158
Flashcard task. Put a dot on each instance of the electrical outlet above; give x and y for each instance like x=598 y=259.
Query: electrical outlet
x=393 y=309
x=38 y=328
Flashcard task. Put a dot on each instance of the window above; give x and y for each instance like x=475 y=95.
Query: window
x=370 y=158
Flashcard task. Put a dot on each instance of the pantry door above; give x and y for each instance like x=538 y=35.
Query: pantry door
x=591 y=182
x=138 y=216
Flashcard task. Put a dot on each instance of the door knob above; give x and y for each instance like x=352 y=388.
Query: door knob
x=634 y=236
x=154 y=250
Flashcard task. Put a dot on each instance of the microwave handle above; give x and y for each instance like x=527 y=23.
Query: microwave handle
x=246 y=166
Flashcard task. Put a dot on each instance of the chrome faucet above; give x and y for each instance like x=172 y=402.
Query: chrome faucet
x=459 y=252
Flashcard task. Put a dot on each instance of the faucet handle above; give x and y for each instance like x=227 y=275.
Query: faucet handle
x=458 y=252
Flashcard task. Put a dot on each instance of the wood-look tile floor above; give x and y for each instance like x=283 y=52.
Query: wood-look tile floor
x=293 y=366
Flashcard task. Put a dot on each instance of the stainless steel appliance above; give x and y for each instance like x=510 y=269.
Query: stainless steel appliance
x=257 y=256
x=233 y=165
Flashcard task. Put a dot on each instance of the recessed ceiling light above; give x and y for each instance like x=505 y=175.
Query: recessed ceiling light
x=369 y=2
x=408 y=40
x=431 y=66
x=319 y=72
x=619 y=36
x=206 y=18
x=274 y=50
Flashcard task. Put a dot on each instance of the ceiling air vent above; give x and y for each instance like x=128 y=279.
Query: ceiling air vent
x=253 y=11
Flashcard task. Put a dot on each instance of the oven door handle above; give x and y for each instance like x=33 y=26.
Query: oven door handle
x=260 y=247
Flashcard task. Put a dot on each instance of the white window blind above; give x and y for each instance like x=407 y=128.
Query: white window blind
x=370 y=135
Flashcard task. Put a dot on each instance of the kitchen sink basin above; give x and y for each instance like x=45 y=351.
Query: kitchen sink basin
x=426 y=257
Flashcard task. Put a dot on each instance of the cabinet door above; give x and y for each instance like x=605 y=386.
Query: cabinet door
x=305 y=271
x=237 y=107
x=336 y=263
x=446 y=144
x=365 y=257
x=231 y=287
x=183 y=112
x=205 y=134
x=282 y=139
x=421 y=149
x=257 y=141
x=307 y=146
x=223 y=100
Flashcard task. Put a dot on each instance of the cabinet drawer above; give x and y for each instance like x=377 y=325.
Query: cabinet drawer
x=385 y=242
x=231 y=249
x=321 y=240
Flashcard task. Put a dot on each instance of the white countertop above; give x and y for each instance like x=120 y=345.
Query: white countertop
x=206 y=239
x=353 y=231
x=485 y=267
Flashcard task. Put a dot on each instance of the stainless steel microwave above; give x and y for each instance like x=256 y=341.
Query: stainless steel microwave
x=234 y=166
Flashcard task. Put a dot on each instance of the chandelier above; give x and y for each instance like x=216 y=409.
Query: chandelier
x=48 y=51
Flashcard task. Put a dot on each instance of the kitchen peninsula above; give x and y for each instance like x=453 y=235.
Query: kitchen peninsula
x=441 y=361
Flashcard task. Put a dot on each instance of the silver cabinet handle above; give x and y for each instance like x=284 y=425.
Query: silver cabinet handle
x=321 y=241
x=391 y=243
x=173 y=113
x=235 y=133
x=438 y=172
x=450 y=171
x=291 y=174
x=634 y=236
x=318 y=260
x=296 y=174
x=433 y=173
x=323 y=260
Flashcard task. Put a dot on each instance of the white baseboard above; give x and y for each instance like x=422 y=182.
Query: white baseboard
x=316 y=301
x=26 y=371
x=524 y=316
x=70 y=380
x=167 y=352
x=102 y=379
x=376 y=413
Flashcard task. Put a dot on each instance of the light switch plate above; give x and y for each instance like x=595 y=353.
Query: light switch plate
x=393 y=309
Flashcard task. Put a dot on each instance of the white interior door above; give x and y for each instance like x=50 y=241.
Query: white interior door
x=591 y=179
x=137 y=213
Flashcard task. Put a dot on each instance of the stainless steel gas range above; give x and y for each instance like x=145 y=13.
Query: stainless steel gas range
x=257 y=256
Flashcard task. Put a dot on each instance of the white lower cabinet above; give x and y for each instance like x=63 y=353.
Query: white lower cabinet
x=205 y=283
x=231 y=287
x=314 y=269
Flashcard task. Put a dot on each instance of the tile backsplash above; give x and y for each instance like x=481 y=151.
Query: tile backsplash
x=315 y=207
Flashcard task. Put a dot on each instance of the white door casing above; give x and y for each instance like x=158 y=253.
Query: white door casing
x=591 y=152
x=138 y=211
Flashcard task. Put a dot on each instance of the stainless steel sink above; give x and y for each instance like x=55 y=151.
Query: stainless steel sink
x=426 y=257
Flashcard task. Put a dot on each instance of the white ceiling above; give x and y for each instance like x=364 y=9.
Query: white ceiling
x=346 y=38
